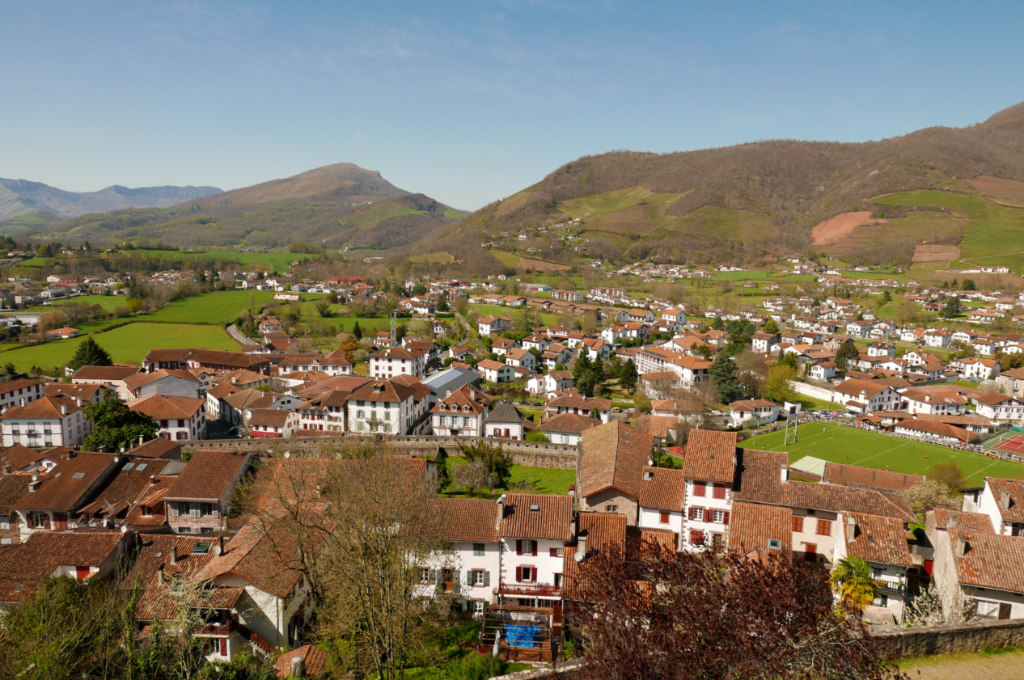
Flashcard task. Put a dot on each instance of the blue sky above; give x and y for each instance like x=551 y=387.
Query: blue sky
x=470 y=102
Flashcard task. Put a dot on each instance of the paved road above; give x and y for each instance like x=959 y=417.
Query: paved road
x=240 y=337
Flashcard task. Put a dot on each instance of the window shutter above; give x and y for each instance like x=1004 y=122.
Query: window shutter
x=519 y=547
x=470 y=581
x=533 y=545
x=690 y=514
x=725 y=520
x=432 y=575
x=519 y=573
x=31 y=520
x=487 y=578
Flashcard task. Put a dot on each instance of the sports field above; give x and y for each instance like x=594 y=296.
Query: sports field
x=1012 y=444
x=842 y=444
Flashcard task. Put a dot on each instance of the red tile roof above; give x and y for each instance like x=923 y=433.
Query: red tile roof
x=536 y=516
x=208 y=476
x=882 y=540
x=614 y=456
x=665 y=489
x=753 y=525
x=67 y=486
x=711 y=456
x=23 y=567
x=472 y=520
x=988 y=560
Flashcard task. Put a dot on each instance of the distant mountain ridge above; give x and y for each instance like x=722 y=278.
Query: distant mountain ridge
x=20 y=197
x=759 y=202
x=336 y=206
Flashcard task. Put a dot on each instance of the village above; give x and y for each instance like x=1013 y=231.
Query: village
x=643 y=408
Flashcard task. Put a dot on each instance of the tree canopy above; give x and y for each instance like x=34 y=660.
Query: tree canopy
x=89 y=353
x=115 y=425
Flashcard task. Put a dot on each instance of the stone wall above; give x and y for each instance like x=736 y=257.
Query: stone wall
x=533 y=454
x=948 y=639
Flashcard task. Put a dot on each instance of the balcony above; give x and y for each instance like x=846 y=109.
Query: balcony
x=891 y=586
x=529 y=590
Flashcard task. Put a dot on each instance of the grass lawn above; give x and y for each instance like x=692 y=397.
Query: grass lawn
x=127 y=344
x=513 y=313
x=539 y=480
x=222 y=306
x=995 y=664
x=108 y=302
x=279 y=261
x=859 y=447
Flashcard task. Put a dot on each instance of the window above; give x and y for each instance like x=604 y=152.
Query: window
x=479 y=549
x=798 y=524
x=424 y=575
x=478 y=577
x=558 y=580
x=811 y=552
x=718 y=516
x=699 y=488
x=527 y=574
x=556 y=552
x=5 y=522
x=697 y=514
x=696 y=537
x=611 y=508
x=774 y=544
x=719 y=491
x=664 y=518
x=479 y=606
x=824 y=527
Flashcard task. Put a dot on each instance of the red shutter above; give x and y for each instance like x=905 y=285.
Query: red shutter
x=690 y=516
x=725 y=520
x=519 y=573
x=534 y=551
x=31 y=520
x=519 y=551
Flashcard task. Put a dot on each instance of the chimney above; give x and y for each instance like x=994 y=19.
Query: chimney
x=581 y=547
x=851 y=528
x=648 y=473
x=219 y=549
x=141 y=439
x=784 y=474
x=7 y=468
x=78 y=401
x=501 y=508
x=298 y=667
x=953 y=522
x=33 y=486
x=961 y=546
x=63 y=409
x=1004 y=499
x=174 y=555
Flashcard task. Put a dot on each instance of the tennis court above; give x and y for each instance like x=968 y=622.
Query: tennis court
x=1014 y=444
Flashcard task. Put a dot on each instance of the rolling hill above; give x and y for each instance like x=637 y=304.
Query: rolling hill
x=336 y=206
x=20 y=197
x=934 y=197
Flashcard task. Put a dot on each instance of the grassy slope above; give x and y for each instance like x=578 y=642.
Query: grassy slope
x=127 y=344
x=216 y=308
x=539 y=480
x=859 y=447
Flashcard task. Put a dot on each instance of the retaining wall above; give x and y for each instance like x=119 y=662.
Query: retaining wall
x=949 y=639
x=533 y=454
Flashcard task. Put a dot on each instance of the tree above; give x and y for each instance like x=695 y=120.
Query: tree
x=115 y=426
x=323 y=308
x=383 y=528
x=952 y=308
x=846 y=352
x=949 y=475
x=357 y=331
x=629 y=376
x=770 y=327
x=723 y=375
x=89 y=353
x=968 y=284
x=851 y=581
x=497 y=464
x=777 y=386
x=703 y=614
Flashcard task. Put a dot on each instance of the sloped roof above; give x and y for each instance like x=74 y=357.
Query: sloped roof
x=1014 y=488
x=572 y=423
x=614 y=456
x=105 y=373
x=855 y=475
x=23 y=567
x=753 y=525
x=989 y=560
x=710 y=456
x=965 y=521
x=536 y=516
x=473 y=520
x=665 y=489
x=208 y=475
x=383 y=391
x=163 y=407
x=44 y=408
x=64 y=488
x=882 y=540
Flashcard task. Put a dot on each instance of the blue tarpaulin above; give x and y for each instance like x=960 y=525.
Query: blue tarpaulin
x=522 y=635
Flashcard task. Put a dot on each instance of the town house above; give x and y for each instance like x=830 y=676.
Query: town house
x=533 y=530
x=46 y=422
x=198 y=500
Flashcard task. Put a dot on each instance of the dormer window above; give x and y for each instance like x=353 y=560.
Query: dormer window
x=534 y=507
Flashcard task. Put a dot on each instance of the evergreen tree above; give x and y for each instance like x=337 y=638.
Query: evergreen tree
x=357 y=331
x=847 y=351
x=89 y=353
x=723 y=375
x=952 y=308
x=629 y=377
x=771 y=327
x=582 y=364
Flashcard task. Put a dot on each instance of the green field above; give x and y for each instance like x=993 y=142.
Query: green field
x=217 y=307
x=108 y=302
x=993 y=234
x=536 y=479
x=546 y=318
x=842 y=444
x=127 y=344
x=279 y=261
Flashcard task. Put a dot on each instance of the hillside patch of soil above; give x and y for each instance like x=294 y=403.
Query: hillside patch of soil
x=1007 y=189
x=541 y=265
x=936 y=253
x=834 y=229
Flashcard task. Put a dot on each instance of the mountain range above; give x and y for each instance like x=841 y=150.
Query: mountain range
x=18 y=197
x=933 y=198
